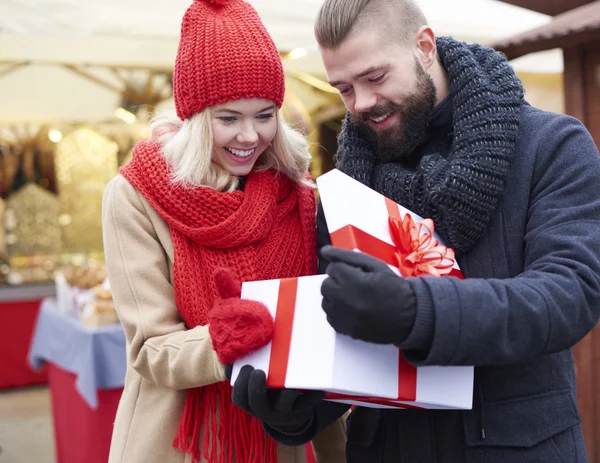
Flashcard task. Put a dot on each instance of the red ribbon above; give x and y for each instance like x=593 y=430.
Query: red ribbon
x=415 y=251
x=282 y=332
x=372 y=400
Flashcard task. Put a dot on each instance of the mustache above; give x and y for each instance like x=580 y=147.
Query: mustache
x=378 y=111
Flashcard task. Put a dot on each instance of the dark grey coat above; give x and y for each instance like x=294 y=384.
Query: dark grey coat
x=532 y=292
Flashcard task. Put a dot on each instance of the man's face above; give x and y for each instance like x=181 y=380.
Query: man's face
x=388 y=93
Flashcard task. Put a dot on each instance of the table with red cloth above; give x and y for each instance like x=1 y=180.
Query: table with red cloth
x=86 y=372
x=19 y=306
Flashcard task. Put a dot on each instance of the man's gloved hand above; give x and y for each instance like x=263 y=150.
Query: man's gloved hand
x=363 y=298
x=288 y=411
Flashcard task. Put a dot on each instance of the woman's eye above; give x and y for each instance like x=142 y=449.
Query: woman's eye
x=265 y=117
x=227 y=119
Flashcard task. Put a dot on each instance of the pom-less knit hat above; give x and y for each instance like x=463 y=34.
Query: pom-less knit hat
x=225 y=53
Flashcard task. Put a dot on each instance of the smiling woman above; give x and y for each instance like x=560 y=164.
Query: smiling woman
x=220 y=194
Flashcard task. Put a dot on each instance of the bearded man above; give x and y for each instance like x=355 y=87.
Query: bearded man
x=442 y=127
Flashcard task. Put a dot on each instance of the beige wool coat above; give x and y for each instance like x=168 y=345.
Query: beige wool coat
x=164 y=358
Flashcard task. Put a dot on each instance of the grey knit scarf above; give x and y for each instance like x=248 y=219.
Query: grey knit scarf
x=459 y=192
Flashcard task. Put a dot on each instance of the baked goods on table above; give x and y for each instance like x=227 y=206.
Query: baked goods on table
x=85 y=292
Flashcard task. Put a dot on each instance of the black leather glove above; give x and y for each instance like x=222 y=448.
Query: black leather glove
x=363 y=298
x=288 y=411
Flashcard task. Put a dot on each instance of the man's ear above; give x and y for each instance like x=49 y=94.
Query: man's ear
x=426 y=49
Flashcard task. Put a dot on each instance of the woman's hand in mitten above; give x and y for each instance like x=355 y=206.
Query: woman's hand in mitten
x=237 y=326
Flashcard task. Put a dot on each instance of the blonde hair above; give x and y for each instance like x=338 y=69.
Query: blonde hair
x=188 y=145
x=336 y=19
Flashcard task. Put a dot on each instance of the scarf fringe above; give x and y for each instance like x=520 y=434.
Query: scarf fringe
x=202 y=406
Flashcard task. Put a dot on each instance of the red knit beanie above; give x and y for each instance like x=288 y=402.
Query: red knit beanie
x=225 y=53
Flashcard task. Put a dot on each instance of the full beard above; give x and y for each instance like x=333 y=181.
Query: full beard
x=399 y=141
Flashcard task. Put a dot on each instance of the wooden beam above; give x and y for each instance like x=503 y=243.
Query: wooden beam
x=329 y=112
x=313 y=81
x=12 y=68
x=118 y=75
x=93 y=78
x=43 y=62
x=550 y=7
x=542 y=44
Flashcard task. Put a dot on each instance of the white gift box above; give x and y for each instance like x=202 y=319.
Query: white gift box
x=358 y=218
x=306 y=353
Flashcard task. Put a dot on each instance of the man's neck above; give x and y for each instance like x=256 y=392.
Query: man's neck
x=440 y=80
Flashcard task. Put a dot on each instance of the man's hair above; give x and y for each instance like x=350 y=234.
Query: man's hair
x=338 y=18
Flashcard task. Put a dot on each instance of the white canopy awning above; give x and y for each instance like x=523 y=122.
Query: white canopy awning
x=136 y=33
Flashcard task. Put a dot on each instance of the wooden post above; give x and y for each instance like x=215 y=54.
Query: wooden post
x=574 y=83
x=581 y=88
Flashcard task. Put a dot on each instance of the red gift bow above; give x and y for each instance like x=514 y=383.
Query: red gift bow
x=413 y=251
x=417 y=251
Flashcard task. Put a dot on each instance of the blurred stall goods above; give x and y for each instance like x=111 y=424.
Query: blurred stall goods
x=2 y=229
x=86 y=276
x=84 y=292
x=51 y=189
x=31 y=269
x=31 y=222
x=85 y=163
x=99 y=313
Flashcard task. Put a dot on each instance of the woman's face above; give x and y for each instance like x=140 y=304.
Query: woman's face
x=242 y=130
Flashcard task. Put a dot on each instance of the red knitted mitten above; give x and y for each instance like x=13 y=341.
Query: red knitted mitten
x=237 y=326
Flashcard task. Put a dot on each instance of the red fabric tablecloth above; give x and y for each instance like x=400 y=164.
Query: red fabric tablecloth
x=81 y=434
x=17 y=319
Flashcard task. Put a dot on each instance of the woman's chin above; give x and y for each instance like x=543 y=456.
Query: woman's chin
x=240 y=171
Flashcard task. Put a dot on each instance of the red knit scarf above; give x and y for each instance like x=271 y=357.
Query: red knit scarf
x=266 y=231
